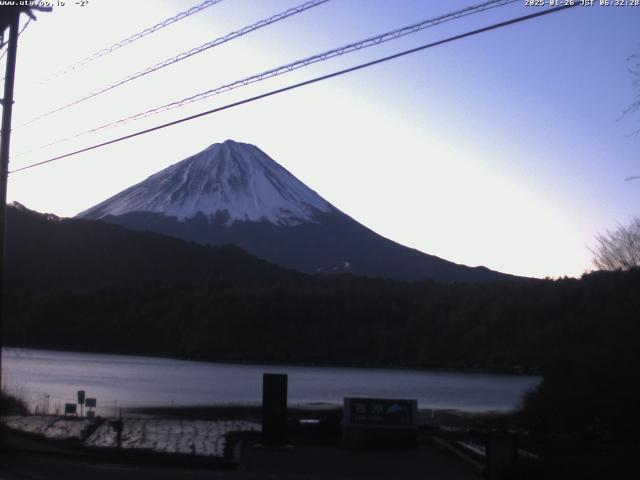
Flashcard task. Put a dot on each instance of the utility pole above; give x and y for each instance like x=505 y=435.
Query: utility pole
x=7 y=110
x=11 y=19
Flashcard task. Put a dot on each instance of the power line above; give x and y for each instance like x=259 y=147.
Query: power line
x=320 y=57
x=368 y=42
x=184 y=55
x=302 y=84
x=136 y=36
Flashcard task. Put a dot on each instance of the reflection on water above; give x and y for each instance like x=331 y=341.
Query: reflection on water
x=42 y=377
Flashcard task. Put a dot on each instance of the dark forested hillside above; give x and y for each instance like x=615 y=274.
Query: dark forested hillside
x=83 y=285
x=46 y=252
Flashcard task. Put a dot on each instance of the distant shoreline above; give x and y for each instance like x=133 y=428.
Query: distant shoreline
x=516 y=370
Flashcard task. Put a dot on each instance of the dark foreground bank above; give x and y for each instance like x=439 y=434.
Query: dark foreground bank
x=450 y=445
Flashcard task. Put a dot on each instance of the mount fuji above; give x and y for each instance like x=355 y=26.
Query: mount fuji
x=233 y=192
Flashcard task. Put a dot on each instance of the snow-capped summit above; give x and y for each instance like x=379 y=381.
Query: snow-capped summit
x=237 y=180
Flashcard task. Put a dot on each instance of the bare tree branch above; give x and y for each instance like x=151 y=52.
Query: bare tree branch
x=619 y=248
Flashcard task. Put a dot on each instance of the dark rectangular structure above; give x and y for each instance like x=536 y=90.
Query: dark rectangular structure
x=274 y=409
x=502 y=455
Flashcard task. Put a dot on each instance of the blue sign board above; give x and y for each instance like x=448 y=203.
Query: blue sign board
x=375 y=411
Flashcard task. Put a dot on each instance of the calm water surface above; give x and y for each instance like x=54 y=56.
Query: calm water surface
x=120 y=381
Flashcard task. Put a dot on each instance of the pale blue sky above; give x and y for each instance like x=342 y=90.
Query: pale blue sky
x=503 y=149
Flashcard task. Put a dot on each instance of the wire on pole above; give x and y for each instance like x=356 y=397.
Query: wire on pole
x=24 y=27
x=302 y=84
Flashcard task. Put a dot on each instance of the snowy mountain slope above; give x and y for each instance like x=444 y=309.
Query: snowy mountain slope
x=233 y=193
x=230 y=177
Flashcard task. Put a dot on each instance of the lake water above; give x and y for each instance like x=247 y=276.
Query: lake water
x=41 y=377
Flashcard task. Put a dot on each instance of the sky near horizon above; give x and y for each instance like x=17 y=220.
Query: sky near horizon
x=507 y=149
